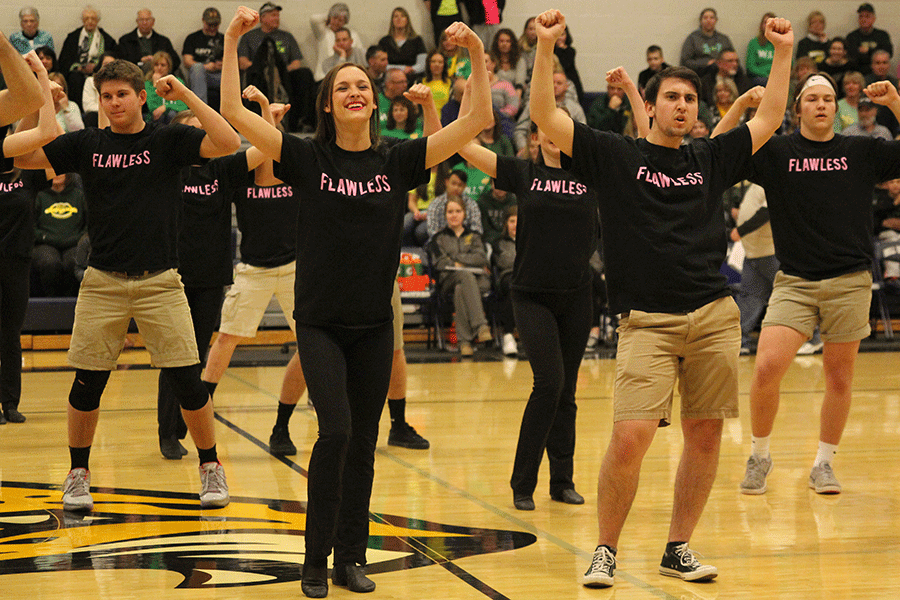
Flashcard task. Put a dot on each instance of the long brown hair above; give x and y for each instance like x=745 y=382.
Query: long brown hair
x=325 y=127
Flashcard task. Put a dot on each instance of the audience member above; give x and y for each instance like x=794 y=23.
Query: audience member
x=836 y=63
x=702 y=46
x=881 y=65
x=815 y=44
x=395 y=83
x=484 y=20
x=460 y=259
x=60 y=221
x=725 y=95
x=30 y=37
x=299 y=81
x=405 y=48
x=887 y=228
x=458 y=64
x=202 y=56
x=760 y=53
x=143 y=42
x=611 y=111
x=343 y=50
x=451 y=110
x=655 y=64
x=563 y=100
x=415 y=224
x=454 y=189
x=866 y=125
x=402 y=121
x=82 y=49
x=90 y=97
x=504 y=97
x=443 y=14
x=159 y=109
x=48 y=58
x=527 y=47
x=68 y=115
x=437 y=79
x=728 y=68
x=326 y=28
x=863 y=41
x=566 y=55
x=494 y=205
x=846 y=106
x=376 y=59
x=504 y=258
x=509 y=63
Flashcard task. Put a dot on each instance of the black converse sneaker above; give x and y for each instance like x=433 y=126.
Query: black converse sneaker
x=680 y=562
x=603 y=567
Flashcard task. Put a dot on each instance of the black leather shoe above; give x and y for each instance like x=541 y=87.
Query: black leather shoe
x=568 y=496
x=314 y=582
x=171 y=448
x=353 y=577
x=13 y=415
x=523 y=502
x=2 y=419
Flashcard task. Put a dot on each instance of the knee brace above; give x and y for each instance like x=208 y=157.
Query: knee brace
x=87 y=389
x=186 y=385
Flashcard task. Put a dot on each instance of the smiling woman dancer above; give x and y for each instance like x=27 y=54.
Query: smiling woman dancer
x=353 y=195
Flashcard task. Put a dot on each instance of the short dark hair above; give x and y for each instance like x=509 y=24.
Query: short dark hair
x=120 y=70
x=463 y=176
x=798 y=91
x=372 y=50
x=652 y=89
x=339 y=29
x=654 y=48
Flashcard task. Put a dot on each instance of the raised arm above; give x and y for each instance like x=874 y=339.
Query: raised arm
x=262 y=135
x=24 y=95
x=555 y=123
x=477 y=155
x=749 y=99
x=27 y=140
x=449 y=140
x=421 y=94
x=619 y=77
x=256 y=160
x=884 y=93
x=220 y=138
x=770 y=113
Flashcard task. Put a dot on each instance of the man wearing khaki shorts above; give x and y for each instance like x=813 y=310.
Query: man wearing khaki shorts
x=819 y=189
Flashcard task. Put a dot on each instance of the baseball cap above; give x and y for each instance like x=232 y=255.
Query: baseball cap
x=211 y=16
x=866 y=7
x=268 y=7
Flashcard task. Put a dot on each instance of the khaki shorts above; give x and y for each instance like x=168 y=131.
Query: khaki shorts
x=699 y=349
x=839 y=306
x=397 y=307
x=247 y=300
x=107 y=303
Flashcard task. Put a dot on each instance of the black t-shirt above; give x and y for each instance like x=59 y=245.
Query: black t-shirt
x=204 y=238
x=557 y=227
x=349 y=226
x=204 y=47
x=267 y=218
x=17 y=193
x=820 y=200
x=132 y=183
x=6 y=164
x=661 y=214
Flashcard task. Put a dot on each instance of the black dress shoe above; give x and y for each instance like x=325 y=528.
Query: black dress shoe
x=171 y=448
x=2 y=419
x=314 y=582
x=523 y=502
x=13 y=415
x=353 y=577
x=568 y=496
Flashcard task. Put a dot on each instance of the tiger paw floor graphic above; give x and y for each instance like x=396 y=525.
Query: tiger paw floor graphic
x=253 y=541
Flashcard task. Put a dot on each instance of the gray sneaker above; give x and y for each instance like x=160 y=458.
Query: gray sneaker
x=603 y=567
x=213 y=487
x=754 y=482
x=823 y=481
x=77 y=491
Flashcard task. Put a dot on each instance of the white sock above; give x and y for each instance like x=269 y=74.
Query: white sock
x=826 y=454
x=759 y=446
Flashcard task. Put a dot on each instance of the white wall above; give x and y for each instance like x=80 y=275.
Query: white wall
x=606 y=34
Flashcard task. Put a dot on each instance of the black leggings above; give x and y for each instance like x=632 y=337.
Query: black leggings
x=347 y=372
x=14 y=283
x=554 y=329
x=206 y=306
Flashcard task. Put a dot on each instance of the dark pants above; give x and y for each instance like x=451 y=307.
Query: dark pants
x=554 y=329
x=757 y=278
x=54 y=271
x=14 y=282
x=347 y=372
x=504 y=304
x=206 y=306
x=442 y=22
x=301 y=89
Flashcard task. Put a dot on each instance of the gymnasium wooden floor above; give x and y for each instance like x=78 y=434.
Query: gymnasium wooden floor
x=443 y=523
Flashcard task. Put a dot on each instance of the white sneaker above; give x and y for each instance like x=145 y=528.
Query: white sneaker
x=77 y=490
x=213 y=487
x=810 y=348
x=510 y=347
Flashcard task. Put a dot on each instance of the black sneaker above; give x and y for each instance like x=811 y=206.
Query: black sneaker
x=602 y=570
x=280 y=443
x=680 y=562
x=405 y=436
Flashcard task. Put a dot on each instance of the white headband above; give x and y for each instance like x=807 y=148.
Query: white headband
x=817 y=80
